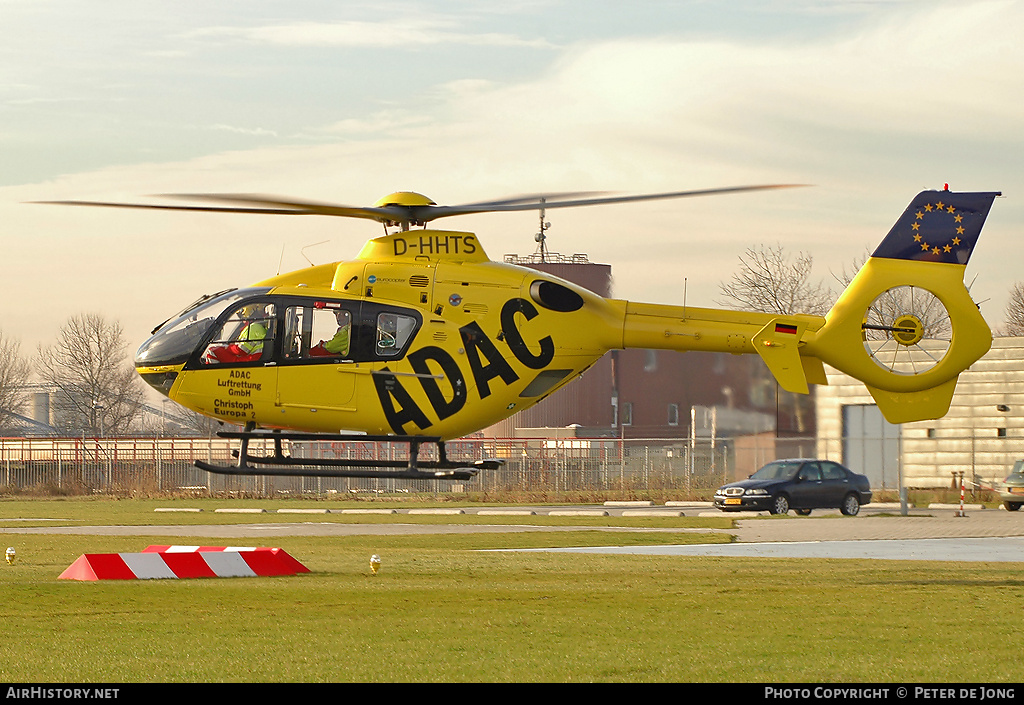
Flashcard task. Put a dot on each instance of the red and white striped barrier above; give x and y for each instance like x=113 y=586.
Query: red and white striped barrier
x=184 y=562
x=194 y=549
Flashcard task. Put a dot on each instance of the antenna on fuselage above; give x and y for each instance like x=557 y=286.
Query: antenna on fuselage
x=303 y=251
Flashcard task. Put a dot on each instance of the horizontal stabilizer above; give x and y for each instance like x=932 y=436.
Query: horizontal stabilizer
x=778 y=344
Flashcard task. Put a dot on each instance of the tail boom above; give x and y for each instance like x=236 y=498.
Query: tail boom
x=778 y=339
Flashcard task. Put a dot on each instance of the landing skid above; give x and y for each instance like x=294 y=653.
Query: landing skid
x=280 y=464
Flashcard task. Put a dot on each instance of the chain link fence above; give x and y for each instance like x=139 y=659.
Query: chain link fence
x=165 y=465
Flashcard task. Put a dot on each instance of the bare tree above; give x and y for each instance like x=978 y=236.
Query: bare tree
x=97 y=389
x=14 y=372
x=1015 y=310
x=771 y=280
x=191 y=423
x=846 y=276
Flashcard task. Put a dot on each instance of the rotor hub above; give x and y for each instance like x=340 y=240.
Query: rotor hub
x=908 y=329
x=403 y=198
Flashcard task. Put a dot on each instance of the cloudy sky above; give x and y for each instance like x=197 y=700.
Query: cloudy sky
x=869 y=101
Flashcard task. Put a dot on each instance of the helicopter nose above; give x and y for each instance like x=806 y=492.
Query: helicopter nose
x=159 y=379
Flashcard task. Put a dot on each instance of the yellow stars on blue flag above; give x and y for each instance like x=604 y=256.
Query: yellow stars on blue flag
x=938 y=226
x=938 y=209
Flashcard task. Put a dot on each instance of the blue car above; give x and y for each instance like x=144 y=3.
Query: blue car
x=801 y=484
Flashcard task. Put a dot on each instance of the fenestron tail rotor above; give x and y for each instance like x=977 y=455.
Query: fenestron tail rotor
x=405 y=208
x=907 y=330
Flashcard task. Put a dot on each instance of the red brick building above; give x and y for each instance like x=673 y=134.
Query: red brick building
x=649 y=393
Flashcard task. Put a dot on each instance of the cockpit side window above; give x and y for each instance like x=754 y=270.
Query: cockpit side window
x=294 y=331
x=174 y=342
x=246 y=336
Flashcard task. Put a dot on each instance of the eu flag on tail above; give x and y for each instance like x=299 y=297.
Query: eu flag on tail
x=938 y=226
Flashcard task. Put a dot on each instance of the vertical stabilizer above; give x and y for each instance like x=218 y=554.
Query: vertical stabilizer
x=906 y=325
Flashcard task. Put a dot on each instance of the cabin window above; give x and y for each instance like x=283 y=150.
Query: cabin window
x=319 y=331
x=555 y=296
x=393 y=332
x=246 y=336
x=626 y=413
x=673 y=414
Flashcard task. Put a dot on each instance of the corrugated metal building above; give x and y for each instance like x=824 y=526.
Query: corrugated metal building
x=981 y=436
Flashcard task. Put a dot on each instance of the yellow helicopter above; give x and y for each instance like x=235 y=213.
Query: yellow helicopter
x=423 y=339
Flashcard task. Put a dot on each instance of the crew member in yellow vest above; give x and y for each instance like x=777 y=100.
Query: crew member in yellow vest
x=247 y=345
x=250 y=340
x=337 y=346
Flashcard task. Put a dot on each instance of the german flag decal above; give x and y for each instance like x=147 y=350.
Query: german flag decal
x=785 y=328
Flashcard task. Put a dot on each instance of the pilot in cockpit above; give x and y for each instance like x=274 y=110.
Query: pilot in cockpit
x=247 y=345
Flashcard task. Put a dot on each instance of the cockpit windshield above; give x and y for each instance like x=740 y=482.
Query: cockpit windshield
x=176 y=340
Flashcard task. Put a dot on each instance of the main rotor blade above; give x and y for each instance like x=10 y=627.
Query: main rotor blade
x=261 y=205
x=445 y=211
x=532 y=198
x=147 y=206
x=395 y=214
x=292 y=205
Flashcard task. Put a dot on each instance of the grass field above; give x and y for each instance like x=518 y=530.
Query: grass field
x=445 y=609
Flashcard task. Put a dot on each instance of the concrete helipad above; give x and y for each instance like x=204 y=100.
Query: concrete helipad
x=925 y=535
x=1005 y=549
x=931 y=534
x=921 y=524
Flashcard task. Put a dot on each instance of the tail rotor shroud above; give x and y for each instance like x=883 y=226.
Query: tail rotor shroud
x=907 y=330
